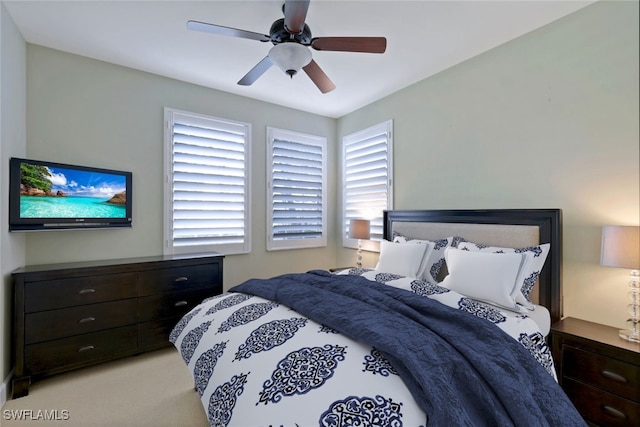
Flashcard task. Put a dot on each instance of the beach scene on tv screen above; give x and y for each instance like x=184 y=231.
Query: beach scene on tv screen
x=50 y=192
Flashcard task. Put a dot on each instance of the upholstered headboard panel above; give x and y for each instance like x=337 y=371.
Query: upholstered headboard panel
x=491 y=234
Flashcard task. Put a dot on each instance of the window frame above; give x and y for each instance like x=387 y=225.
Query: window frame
x=372 y=244
x=300 y=138
x=170 y=116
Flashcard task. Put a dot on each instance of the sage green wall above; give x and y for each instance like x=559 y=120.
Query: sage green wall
x=549 y=120
x=12 y=143
x=83 y=111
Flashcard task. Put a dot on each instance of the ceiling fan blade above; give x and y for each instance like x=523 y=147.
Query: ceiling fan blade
x=318 y=77
x=295 y=12
x=258 y=70
x=226 y=31
x=350 y=44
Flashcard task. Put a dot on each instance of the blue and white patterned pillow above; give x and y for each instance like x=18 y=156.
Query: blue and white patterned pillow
x=535 y=257
x=435 y=262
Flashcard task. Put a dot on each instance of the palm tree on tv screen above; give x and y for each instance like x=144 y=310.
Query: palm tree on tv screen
x=34 y=176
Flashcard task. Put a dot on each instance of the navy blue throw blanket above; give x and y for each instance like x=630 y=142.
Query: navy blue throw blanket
x=461 y=370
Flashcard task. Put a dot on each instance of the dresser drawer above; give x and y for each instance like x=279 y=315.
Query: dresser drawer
x=174 y=304
x=53 y=324
x=601 y=407
x=155 y=334
x=52 y=294
x=610 y=374
x=179 y=278
x=62 y=354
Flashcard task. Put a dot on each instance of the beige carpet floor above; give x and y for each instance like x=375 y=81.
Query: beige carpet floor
x=149 y=390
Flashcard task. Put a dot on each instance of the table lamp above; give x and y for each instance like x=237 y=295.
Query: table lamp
x=621 y=248
x=359 y=229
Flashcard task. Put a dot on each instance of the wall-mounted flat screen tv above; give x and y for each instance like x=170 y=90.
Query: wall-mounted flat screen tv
x=49 y=196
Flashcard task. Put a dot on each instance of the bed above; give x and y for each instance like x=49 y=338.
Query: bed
x=449 y=328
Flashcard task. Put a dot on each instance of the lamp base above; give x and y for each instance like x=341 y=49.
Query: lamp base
x=629 y=335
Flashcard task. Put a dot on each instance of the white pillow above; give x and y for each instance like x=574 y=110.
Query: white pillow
x=484 y=276
x=423 y=270
x=434 y=260
x=535 y=256
x=403 y=259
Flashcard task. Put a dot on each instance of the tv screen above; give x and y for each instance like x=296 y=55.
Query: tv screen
x=47 y=196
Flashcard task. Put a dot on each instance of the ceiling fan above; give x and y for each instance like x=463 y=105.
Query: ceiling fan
x=291 y=38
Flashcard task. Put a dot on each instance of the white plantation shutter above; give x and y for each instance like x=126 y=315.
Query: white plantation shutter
x=367 y=180
x=296 y=206
x=206 y=199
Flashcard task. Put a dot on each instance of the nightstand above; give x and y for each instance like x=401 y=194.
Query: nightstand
x=599 y=371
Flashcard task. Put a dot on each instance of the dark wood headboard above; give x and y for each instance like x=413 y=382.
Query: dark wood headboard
x=547 y=221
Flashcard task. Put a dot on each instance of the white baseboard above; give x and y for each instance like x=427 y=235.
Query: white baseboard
x=4 y=389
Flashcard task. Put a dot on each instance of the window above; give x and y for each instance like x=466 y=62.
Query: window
x=206 y=184
x=367 y=180
x=296 y=205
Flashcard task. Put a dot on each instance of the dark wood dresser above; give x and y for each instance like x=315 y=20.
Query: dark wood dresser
x=71 y=315
x=599 y=371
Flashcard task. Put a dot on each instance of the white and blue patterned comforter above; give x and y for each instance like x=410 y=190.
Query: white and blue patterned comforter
x=257 y=362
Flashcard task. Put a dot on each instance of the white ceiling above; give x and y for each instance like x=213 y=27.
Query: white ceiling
x=423 y=38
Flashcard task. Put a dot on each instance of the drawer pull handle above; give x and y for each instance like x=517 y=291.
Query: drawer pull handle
x=180 y=303
x=610 y=410
x=86 y=320
x=87 y=291
x=613 y=376
x=181 y=279
x=85 y=348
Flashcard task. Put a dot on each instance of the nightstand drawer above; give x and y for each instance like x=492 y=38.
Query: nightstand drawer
x=601 y=407
x=610 y=374
x=66 y=322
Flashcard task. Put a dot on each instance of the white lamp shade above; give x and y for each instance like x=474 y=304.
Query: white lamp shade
x=621 y=246
x=359 y=229
x=290 y=57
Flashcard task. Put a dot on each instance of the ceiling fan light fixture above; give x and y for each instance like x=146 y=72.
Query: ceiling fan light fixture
x=290 y=57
